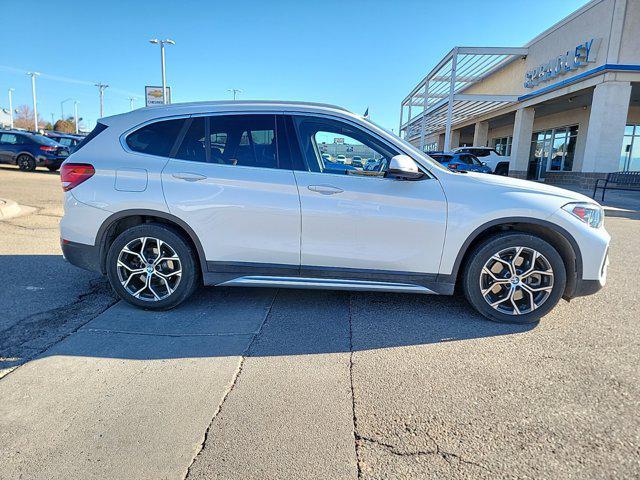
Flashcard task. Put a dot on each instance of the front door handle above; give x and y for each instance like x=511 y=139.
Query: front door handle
x=325 y=189
x=189 y=177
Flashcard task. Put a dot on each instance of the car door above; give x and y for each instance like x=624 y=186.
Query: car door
x=356 y=220
x=8 y=145
x=229 y=182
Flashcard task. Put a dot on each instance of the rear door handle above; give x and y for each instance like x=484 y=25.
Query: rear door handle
x=325 y=189
x=189 y=177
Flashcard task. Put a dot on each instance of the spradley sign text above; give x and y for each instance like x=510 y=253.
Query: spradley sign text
x=584 y=53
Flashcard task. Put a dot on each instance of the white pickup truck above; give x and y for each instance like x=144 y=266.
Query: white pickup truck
x=499 y=164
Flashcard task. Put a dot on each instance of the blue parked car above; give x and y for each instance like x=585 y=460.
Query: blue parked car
x=460 y=162
x=30 y=150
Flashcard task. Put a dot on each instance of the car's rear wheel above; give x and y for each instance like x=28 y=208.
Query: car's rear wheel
x=514 y=278
x=26 y=163
x=152 y=266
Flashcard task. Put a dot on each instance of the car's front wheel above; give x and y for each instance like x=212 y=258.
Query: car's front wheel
x=152 y=266
x=514 y=277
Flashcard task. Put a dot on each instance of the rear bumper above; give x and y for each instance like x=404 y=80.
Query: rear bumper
x=84 y=256
x=45 y=161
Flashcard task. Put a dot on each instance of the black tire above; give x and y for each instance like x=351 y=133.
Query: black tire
x=473 y=275
x=26 y=163
x=502 y=169
x=53 y=168
x=189 y=279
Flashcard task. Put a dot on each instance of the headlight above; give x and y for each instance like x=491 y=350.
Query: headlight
x=589 y=213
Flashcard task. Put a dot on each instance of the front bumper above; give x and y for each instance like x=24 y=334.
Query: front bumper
x=592 y=248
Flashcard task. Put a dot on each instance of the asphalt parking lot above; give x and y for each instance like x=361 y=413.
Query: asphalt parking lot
x=259 y=383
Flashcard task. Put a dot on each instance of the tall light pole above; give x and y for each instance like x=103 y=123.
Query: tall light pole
x=235 y=92
x=62 y=107
x=101 y=87
x=131 y=102
x=11 y=90
x=162 y=43
x=75 y=114
x=33 y=76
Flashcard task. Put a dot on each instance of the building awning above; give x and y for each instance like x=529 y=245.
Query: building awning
x=439 y=101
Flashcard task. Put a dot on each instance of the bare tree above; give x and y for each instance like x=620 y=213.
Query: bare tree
x=24 y=118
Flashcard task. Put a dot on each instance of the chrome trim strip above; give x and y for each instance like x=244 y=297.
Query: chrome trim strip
x=325 y=283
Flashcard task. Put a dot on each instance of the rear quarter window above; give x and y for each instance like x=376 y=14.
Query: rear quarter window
x=155 y=138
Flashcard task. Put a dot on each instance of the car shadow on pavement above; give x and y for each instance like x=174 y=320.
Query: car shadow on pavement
x=218 y=322
x=38 y=170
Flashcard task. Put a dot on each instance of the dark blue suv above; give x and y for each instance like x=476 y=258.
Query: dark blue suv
x=461 y=162
x=29 y=150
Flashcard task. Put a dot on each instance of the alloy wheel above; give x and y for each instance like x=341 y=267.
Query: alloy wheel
x=516 y=280
x=149 y=269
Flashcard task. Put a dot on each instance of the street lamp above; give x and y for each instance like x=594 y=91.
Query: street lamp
x=62 y=107
x=101 y=87
x=11 y=90
x=75 y=114
x=235 y=92
x=162 y=43
x=33 y=76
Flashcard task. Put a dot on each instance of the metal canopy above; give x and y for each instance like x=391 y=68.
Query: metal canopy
x=437 y=102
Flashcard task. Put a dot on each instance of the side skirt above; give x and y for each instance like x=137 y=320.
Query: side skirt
x=324 y=283
x=330 y=278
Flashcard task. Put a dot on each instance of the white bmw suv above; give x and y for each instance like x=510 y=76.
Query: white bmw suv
x=165 y=199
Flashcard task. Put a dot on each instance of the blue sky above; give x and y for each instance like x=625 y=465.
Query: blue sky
x=356 y=54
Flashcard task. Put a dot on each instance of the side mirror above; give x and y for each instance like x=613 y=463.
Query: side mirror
x=404 y=167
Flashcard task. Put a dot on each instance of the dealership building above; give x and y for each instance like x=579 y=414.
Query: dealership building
x=565 y=107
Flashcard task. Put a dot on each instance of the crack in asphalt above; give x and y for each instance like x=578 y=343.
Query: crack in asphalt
x=234 y=380
x=353 y=394
x=447 y=456
x=51 y=323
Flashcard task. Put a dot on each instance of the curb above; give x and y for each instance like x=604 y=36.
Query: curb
x=9 y=209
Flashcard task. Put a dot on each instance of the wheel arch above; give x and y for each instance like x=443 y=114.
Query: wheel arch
x=27 y=153
x=557 y=236
x=120 y=221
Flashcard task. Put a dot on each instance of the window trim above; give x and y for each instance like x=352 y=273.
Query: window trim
x=427 y=169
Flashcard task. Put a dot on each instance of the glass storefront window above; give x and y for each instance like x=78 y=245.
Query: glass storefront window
x=503 y=145
x=552 y=150
x=630 y=154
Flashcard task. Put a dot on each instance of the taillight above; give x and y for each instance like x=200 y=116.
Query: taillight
x=46 y=148
x=73 y=174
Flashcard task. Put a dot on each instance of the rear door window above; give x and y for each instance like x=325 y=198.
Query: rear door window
x=244 y=140
x=9 y=138
x=234 y=140
x=155 y=138
x=193 y=145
